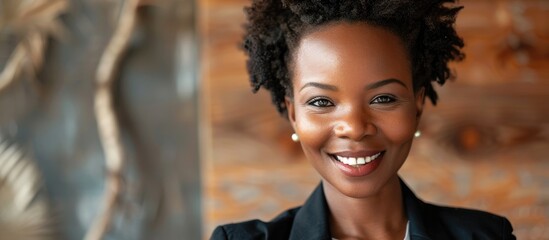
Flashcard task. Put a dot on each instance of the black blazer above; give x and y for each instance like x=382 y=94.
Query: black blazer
x=426 y=221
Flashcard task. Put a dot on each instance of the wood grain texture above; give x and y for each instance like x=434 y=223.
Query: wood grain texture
x=484 y=146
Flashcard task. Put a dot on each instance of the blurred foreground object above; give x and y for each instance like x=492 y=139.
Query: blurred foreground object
x=25 y=26
x=107 y=120
x=24 y=215
x=30 y=23
x=129 y=169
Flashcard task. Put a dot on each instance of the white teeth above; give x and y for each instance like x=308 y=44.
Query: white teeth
x=358 y=161
x=352 y=161
x=342 y=159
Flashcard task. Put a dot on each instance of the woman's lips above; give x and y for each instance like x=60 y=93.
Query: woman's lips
x=356 y=158
x=357 y=164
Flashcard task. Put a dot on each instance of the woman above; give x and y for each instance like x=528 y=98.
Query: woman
x=352 y=77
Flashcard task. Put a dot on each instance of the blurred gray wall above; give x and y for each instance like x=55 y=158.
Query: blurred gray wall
x=157 y=100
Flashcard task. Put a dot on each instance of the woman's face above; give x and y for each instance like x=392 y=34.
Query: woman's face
x=354 y=107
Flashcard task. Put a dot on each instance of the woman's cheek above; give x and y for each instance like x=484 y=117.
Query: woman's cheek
x=312 y=130
x=399 y=128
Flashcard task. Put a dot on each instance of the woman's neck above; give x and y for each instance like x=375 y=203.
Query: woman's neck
x=380 y=216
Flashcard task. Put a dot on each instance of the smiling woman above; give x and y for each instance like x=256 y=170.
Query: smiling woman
x=351 y=107
x=352 y=78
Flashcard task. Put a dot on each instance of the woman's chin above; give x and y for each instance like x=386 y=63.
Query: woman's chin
x=363 y=188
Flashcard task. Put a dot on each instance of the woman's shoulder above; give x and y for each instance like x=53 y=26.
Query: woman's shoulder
x=278 y=228
x=432 y=221
x=465 y=222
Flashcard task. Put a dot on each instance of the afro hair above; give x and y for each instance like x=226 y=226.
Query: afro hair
x=274 y=28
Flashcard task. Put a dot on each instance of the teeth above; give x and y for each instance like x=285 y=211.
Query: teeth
x=342 y=159
x=352 y=161
x=358 y=161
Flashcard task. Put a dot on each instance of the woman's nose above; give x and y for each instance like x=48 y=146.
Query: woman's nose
x=355 y=125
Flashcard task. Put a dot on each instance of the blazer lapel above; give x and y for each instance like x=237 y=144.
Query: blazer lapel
x=423 y=221
x=311 y=221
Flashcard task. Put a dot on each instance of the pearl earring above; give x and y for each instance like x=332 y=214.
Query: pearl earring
x=295 y=137
x=417 y=134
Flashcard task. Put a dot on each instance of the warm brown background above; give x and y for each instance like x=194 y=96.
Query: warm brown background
x=486 y=145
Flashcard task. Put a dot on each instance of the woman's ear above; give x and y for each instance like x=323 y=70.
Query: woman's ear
x=420 y=102
x=290 y=107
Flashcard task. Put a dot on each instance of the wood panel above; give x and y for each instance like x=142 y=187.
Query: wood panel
x=485 y=145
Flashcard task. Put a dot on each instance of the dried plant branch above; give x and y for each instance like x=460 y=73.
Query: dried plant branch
x=28 y=54
x=34 y=14
x=108 y=124
x=13 y=67
x=33 y=22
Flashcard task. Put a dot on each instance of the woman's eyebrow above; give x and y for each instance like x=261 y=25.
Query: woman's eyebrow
x=369 y=87
x=385 y=82
x=319 y=85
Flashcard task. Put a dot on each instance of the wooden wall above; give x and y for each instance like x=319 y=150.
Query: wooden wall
x=485 y=145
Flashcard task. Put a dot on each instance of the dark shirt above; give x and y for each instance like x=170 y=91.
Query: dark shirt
x=427 y=221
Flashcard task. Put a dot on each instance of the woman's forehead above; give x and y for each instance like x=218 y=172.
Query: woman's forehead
x=351 y=50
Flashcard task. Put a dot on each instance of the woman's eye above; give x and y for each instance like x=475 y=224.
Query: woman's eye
x=383 y=99
x=321 y=102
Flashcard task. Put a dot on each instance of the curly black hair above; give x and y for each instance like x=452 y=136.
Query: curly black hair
x=274 y=28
